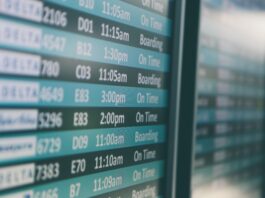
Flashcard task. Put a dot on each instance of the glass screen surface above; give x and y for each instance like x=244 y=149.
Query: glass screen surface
x=229 y=148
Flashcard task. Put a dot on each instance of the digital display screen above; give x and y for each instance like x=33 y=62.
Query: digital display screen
x=229 y=146
x=84 y=97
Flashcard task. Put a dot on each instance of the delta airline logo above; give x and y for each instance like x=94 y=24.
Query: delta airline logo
x=15 y=176
x=14 y=91
x=17 y=120
x=20 y=35
x=28 y=9
x=19 y=63
x=15 y=148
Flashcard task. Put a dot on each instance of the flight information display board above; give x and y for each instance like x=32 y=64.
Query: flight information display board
x=229 y=148
x=84 y=97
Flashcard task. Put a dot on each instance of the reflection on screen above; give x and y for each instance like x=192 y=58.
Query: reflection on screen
x=83 y=98
x=230 y=105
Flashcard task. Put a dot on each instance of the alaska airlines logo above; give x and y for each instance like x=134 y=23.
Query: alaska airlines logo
x=23 y=119
x=18 y=119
